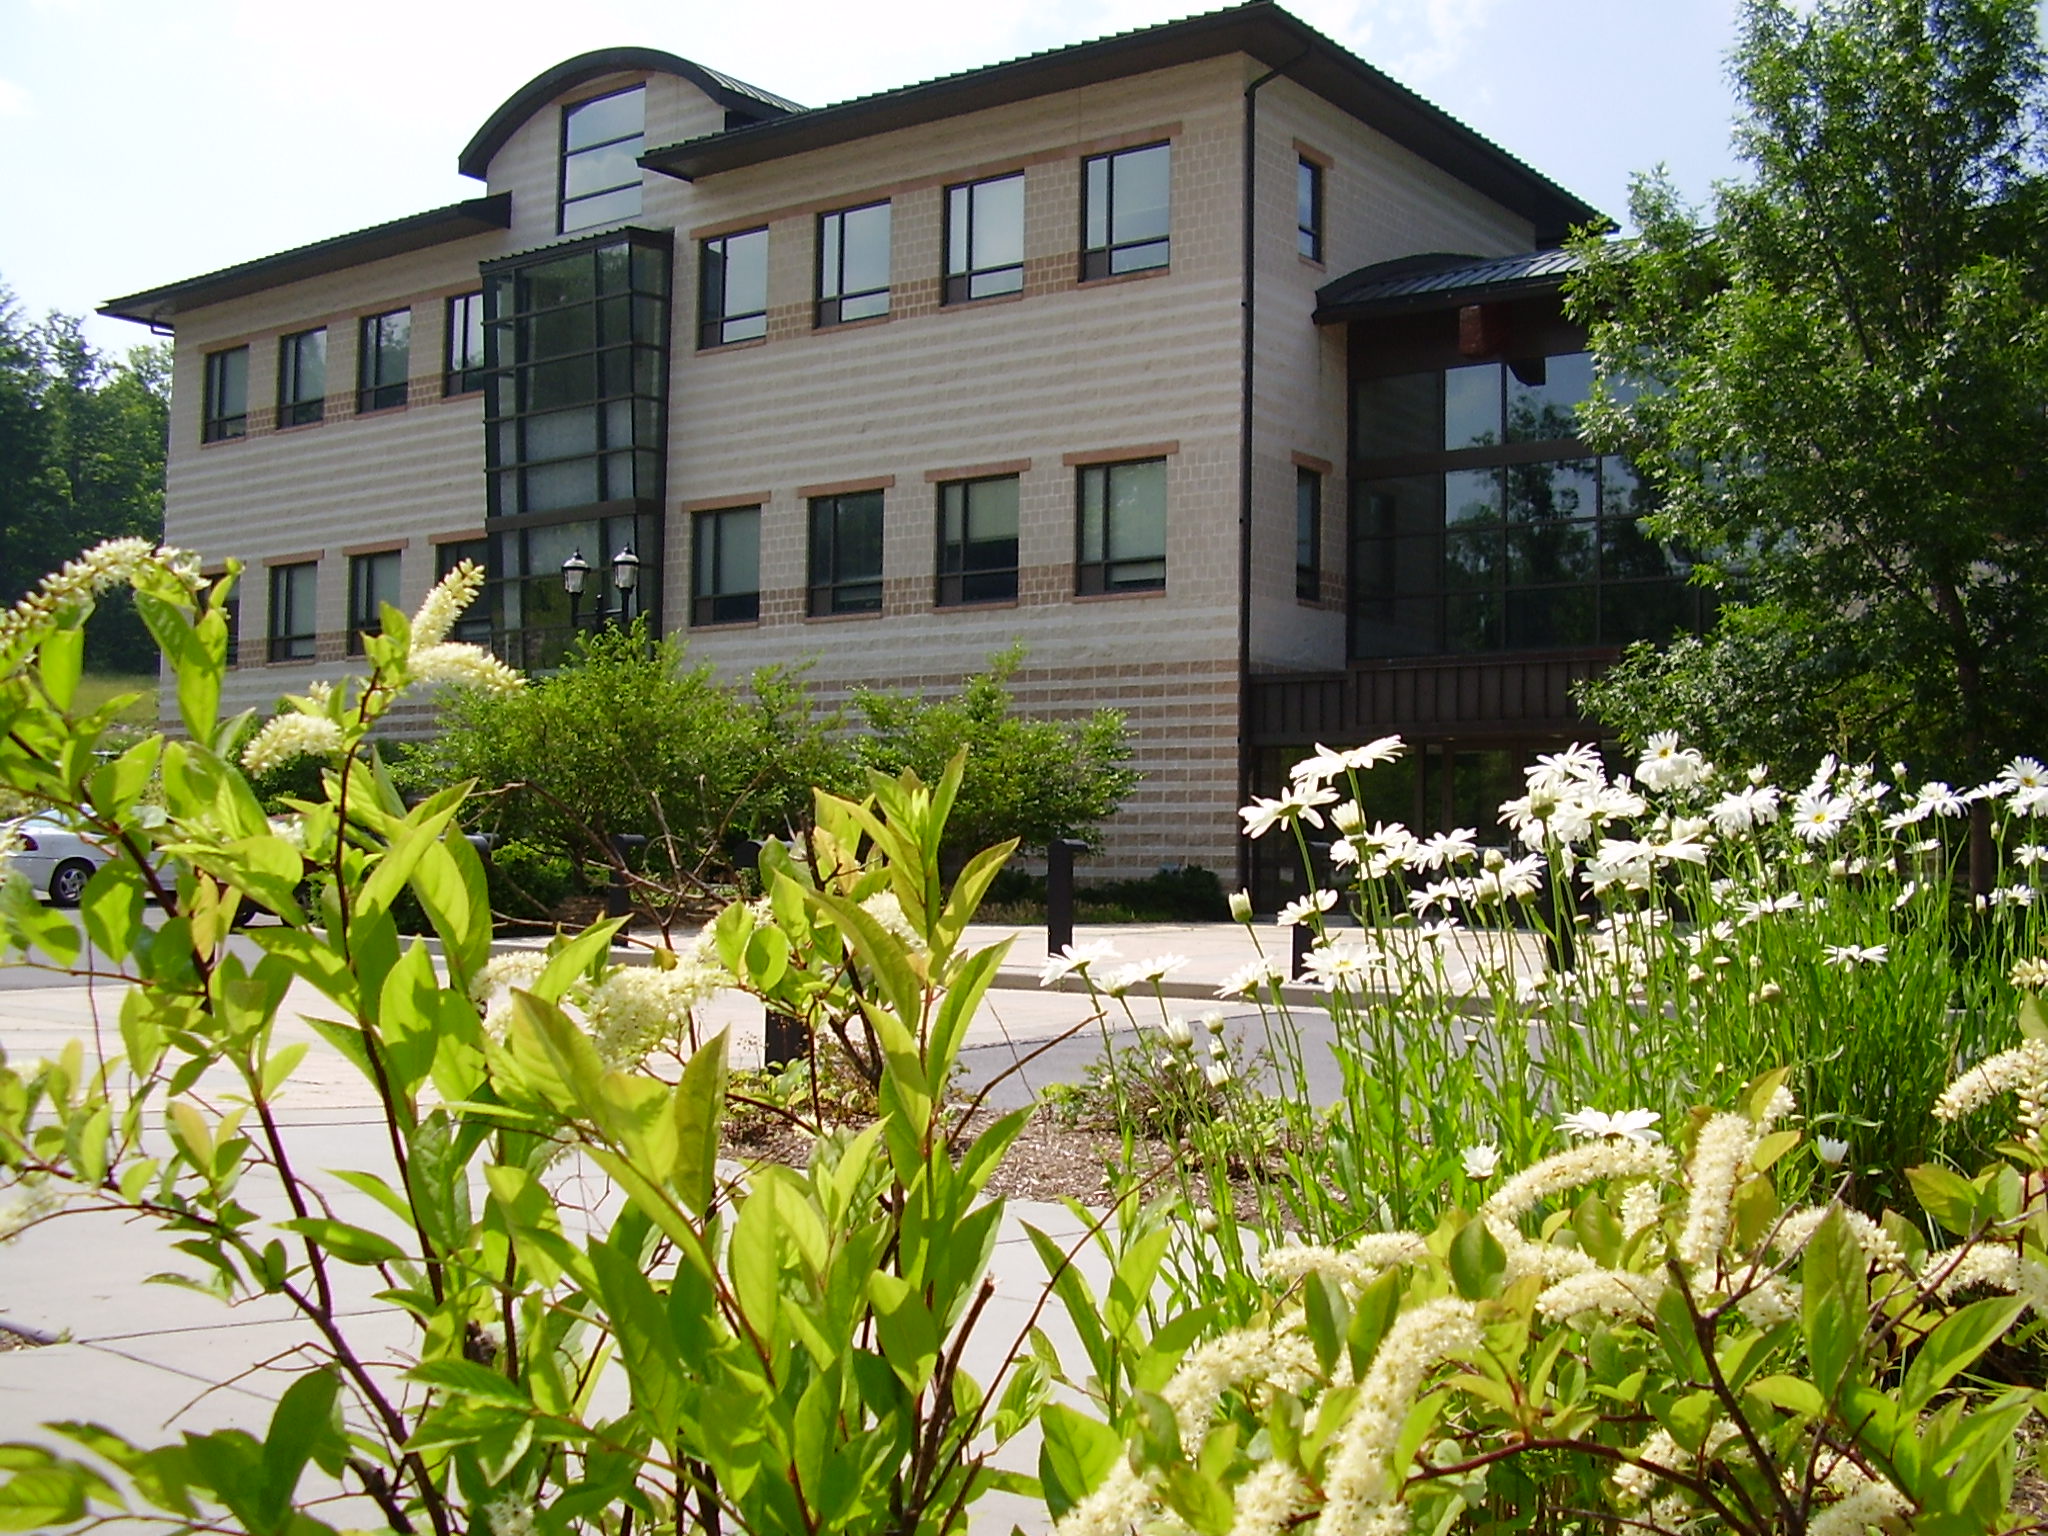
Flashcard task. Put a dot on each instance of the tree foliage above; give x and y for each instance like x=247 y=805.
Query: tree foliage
x=1034 y=780
x=1844 y=373
x=81 y=460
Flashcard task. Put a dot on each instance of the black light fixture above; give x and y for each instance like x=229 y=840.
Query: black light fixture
x=575 y=570
x=626 y=577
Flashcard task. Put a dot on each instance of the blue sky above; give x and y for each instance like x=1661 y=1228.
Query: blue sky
x=143 y=141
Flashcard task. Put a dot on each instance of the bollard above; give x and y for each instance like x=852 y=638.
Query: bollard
x=1304 y=941
x=1059 y=893
x=617 y=894
x=783 y=1036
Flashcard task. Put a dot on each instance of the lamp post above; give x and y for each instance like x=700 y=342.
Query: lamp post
x=575 y=571
x=626 y=576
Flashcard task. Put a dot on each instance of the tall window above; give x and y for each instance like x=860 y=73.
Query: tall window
x=384 y=360
x=465 y=345
x=601 y=144
x=726 y=566
x=474 y=624
x=1125 y=219
x=985 y=238
x=292 y=590
x=1308 y=534
x=1122 y=527
x=301 y=378
x=978 y=541
x=1482 y=522
x=853 y=264
x=732 y=289
x=227 y=395
x=846 y=553
x=1308 y=208
x=372 y=582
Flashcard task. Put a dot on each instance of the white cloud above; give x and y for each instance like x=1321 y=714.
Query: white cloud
x=1417 y=43
x=15 y=101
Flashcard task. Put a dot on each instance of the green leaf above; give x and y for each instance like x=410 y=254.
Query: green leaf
x=1955 y=1345
x=1479 y=1263
x=1075 y=1455
x=350 y=1244
x=1794 y=1394
x=60 y=662
x=306 y=1426
x=647 y=1344
x=698 y=1106
x=1834 y=1302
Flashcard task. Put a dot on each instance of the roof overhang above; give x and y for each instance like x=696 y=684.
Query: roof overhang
x=438 y=226
x=733 y=95
x=1443 y=281
x=1258 y=29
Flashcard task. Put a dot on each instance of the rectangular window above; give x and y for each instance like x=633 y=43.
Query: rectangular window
x=1308 y=535
x=846 y=554
x=978 y=541
x=227 y=395
x=384 y=361
x=292 y=589
x=853 y=264
x=474 y=626
x=465 y=349
x=732 y=289
x=1125 y=217
x=372 y=582
x=1308 y=208
x=726 y=566
x=301 y=378
x=985 y=238
x=601 y=143
x=1122 y=527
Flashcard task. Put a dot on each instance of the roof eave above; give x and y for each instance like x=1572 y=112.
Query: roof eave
x=1260 y=29
x=157 y=307
x=1442 y=298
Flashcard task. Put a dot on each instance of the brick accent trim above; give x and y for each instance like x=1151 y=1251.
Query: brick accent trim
x=1310 y=461
x=847 y=488
x=978 y=471
x=458 y=538
x=1314 y=156
x=377 y=547
x=304 y=557
x=1119 y=455
x=723 y=503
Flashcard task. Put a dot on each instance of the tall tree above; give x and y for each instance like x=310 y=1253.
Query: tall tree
x=1838 y=383
x=81 y=460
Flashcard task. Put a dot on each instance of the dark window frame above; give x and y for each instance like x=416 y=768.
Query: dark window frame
x=376 y=390
x=714 y=606
x=563 y=201
x=462 y=370
x=715 y=322
x=833 y=295
x=832 y=589
x=1308 y=534
x=293 y=636
x=1098 y=577
x=959 y=287
x=223 y=419
x=1308 y=233
x=365 y=603
x=296 y=407
x=1100 y=261
x=961 y=584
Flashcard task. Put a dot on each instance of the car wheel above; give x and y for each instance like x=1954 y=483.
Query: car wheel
x=67 y=882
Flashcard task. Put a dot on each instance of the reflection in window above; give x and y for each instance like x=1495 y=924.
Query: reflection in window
x=1308 y=535
x=1125 y=218
x=732 y=289
x=853 y=264
x=985 y=238
x=292 y=592
x=601 y=144
x=474 y=624
x=1122 y=527
x=302 y=378
x=846 y=554
x=978 y=541
x=465 y=345
x=372 y=583
x=226 y=412
x=726 y=566
x=384 y=360
x=1308 y=208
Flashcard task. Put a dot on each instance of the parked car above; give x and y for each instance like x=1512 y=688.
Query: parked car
x=57 y=860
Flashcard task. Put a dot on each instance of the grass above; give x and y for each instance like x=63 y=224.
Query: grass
x=96 y=688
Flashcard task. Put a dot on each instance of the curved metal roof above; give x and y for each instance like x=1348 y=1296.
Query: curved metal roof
x=1441 y=278
x=733 y=95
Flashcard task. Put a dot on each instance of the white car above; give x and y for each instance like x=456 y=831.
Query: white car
x=56 y=860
